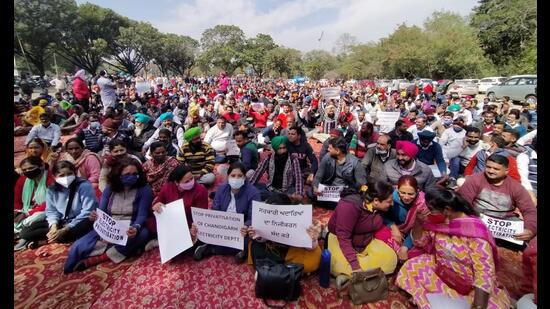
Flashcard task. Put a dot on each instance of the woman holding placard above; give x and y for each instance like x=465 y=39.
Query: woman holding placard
x=181 y=185
x=234 y=196
x=352 y=240
x=463 y=256
x=260 y=248
x=127 y=197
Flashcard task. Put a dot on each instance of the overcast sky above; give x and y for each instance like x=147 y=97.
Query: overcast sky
x=295 y=24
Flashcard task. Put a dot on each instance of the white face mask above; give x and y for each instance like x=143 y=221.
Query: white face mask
x=65 y=181
x=235 y=183
x=16 y=98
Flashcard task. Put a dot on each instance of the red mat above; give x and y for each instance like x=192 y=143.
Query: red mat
x=216 y=282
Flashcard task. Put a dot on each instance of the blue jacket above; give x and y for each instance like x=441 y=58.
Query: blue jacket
x=83 y=203
x=243 y=200
x=434 y=153
x=84 y=246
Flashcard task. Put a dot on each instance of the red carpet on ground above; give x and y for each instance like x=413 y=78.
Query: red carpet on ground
x=216 y=282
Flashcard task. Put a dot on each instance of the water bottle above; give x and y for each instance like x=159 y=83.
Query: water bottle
x=324 y=269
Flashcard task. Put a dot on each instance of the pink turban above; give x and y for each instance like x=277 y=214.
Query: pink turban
x=408 y=148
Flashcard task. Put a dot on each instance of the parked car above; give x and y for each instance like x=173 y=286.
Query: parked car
x=520 y=88
x=487 y=82
x=463 y=87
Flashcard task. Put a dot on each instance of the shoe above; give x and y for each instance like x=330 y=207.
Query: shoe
x=201 y=252
x=153 y=243
x=451 y=184
x=21 y=245
x=241 y=257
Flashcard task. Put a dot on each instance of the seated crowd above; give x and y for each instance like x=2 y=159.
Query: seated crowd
x=410 y=197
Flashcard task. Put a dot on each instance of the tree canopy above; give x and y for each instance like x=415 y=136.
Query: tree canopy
x=499 y=37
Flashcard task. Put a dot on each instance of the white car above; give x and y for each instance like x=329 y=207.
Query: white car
x=487 y=82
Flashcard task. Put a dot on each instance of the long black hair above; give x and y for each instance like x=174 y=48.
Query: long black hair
x=114 y=176
x=441 y=198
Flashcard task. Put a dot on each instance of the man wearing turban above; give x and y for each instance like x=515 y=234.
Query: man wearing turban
x=143 y=130
x=166 y=122
x=283 y=172
x=406 y=163
x=199 y=156
x=430 y=152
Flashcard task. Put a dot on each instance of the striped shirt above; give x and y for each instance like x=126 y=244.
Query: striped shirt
x=92 y=141
x=201 y=161
x=292 y=174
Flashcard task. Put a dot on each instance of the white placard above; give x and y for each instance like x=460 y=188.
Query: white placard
x=386 y=120
x=330 y=93
x=285 y=224
x=329 y=193
x=442 y=301
x=111 y=230
x=232 y=148
x=219 y=227
x=257 y=106
x=503 y=229
x=173 y=233
x=142 y=87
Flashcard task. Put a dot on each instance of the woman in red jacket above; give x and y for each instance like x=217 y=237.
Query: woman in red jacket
x=181 y=185
x=81 y=92
x=30 y=199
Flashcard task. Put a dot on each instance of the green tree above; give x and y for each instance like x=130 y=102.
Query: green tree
x=255 y=51
x=85 y=41
x=176 y=54
x=222 y=47
x=284 y=61
x=38 y=25
x=455 y=50
x=135 y=47
x=506 y=28
x=317 y=63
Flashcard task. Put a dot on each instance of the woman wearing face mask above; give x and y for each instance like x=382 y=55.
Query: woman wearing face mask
x=66 y=223
x=463 y=258
x=181 y=185
x=30 y=199
x=159 y=167
x=403 y=215
x=362 y=139
x=234 y=196
x=87 y=163
x=352 y=228
x=127 y=197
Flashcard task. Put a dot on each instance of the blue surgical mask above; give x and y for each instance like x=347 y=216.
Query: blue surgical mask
x=447 y=122
x=95 y=125
x=129 y=180
x=235 y=183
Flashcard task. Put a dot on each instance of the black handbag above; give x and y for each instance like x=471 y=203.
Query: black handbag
x=278 y=281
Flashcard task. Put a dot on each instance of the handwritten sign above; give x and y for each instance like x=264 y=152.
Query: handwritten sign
x=386 y=120
x=329 y=193
x=285 y=224
x=232 y=148
x=330 y=93
x=173 y=232
x=503 y=229
x=219 y=227
x=111 y=230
